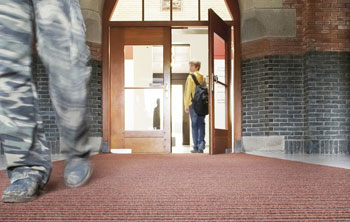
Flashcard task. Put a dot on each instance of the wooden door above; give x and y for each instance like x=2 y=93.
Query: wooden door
x=139 y=99
x=219 y=84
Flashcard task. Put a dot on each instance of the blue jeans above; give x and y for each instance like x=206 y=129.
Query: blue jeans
x=198 y=129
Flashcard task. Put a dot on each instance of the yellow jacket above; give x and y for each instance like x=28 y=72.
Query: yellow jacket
x=190 y=88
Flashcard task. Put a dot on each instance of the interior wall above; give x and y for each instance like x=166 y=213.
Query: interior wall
x=92 y=12
x=266 y=19
x=198 y=44
x=177 y=112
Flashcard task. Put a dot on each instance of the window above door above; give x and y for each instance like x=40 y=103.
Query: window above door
x=160 y=10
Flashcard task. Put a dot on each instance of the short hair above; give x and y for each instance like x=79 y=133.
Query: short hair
x=196 y=64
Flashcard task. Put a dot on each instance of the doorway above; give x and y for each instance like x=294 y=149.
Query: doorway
x=146 y=94
x=188 y=44
x=128 y=101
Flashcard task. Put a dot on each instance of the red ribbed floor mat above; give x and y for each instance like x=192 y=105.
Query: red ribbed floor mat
x=192 y=188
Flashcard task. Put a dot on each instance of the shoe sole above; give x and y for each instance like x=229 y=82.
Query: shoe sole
x=82 y=183
x=12 y=199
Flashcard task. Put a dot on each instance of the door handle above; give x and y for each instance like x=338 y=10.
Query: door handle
x=166 y=90
x=215 y=79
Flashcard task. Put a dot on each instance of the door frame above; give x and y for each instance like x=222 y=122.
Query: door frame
x=109 y=6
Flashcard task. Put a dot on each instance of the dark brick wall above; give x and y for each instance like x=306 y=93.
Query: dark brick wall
x=254 y=121
x=46 y=110
x=95 y=99
x=285 y=103
x=273 y=99
x=327 y=83
x=306 y=99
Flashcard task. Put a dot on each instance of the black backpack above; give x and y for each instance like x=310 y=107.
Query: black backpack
x=200 y=101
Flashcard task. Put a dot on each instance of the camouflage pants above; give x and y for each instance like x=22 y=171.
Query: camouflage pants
x=60 y=34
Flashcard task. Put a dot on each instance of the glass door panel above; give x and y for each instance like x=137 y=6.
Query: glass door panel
x=156 y=10
x=128 y=10
x=220 y=106
x=143 y=87
x=219 y=81
x=143 y=109
x=185 y=10
x=219 y=6
x=219 y=59
x=143 y=66
x=159 y=10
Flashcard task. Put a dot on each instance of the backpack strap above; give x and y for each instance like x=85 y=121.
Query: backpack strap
x=194 y=77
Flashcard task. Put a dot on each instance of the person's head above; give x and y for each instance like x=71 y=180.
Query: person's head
x=195 y=66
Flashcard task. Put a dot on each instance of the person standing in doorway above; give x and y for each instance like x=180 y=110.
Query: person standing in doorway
x=197 y=121
x=60 y=35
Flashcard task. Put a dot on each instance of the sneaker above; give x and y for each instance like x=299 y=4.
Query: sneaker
x=200 y=151
x=77 y=172
x=201 y=146
x=194 y=151
x=21 y=191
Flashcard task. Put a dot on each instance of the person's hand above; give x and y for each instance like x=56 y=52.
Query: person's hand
x=186 y=110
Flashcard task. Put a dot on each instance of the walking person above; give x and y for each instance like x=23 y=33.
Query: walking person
x=197 y=121
x=60 y=34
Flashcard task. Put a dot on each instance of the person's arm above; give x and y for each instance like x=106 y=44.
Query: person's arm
x=188 y=92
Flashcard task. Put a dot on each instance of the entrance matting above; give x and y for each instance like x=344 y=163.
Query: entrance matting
x=191 y=187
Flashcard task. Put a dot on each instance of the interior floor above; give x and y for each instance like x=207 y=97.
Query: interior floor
x=333 y=160
x=186 y=149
